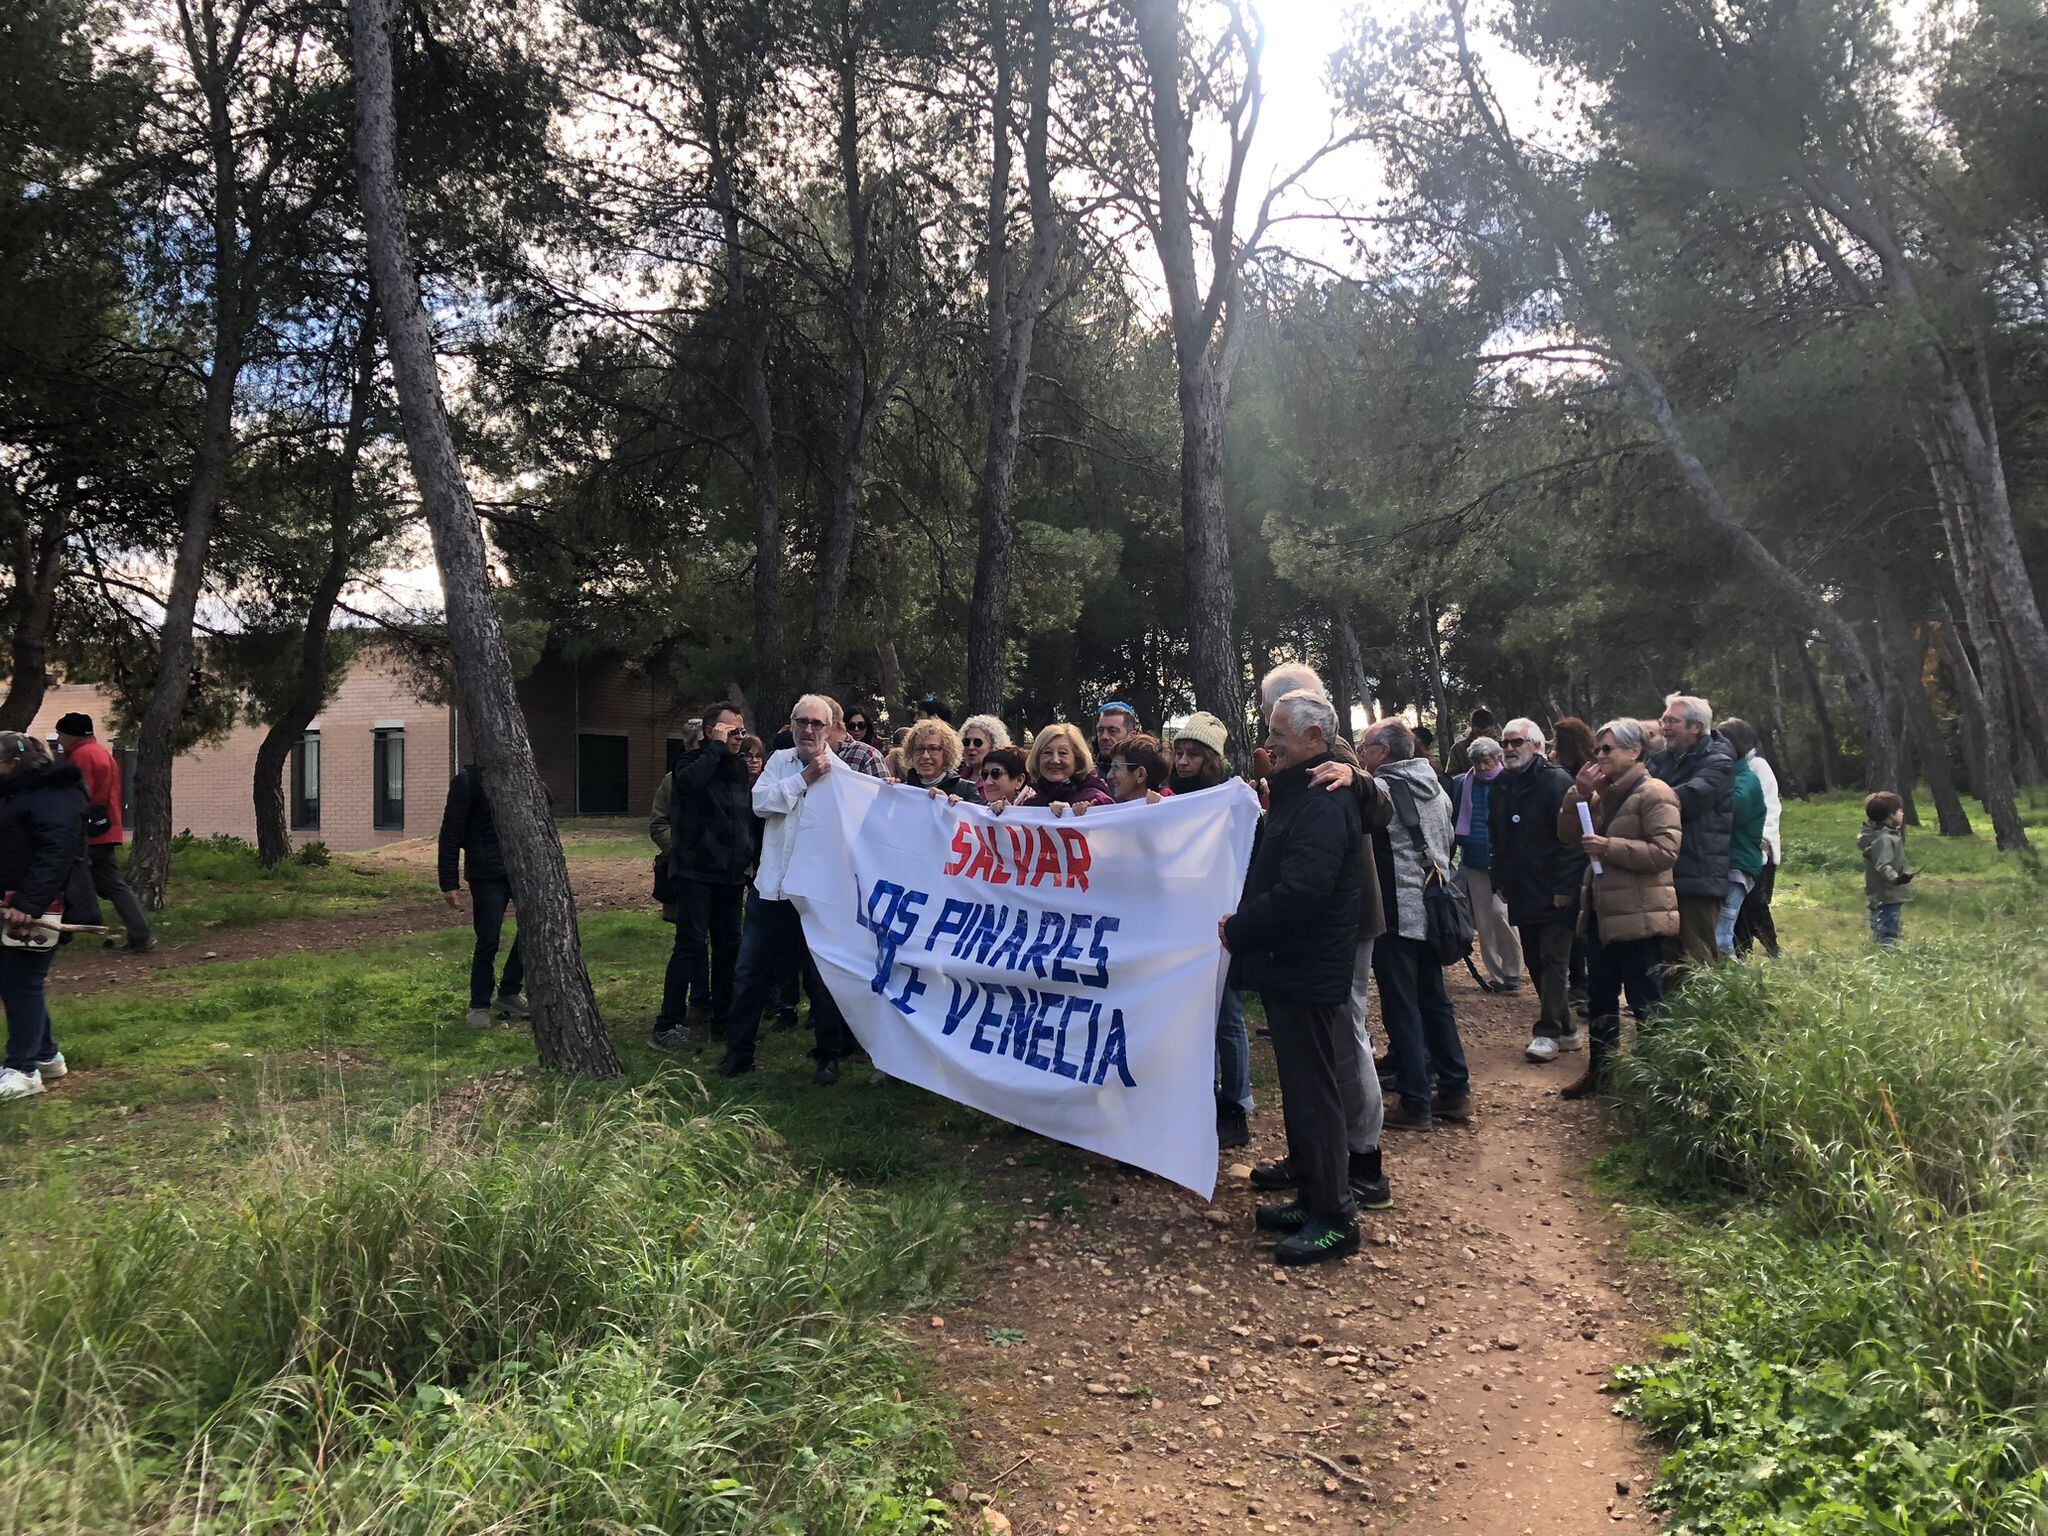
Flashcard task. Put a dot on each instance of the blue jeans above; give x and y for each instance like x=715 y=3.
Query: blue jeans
x=487 y=902
x=1422 y=1028
x=22 y=973
x=1233 y=1053
x=1731 y=908
x=770 y=927
x=1884 y=927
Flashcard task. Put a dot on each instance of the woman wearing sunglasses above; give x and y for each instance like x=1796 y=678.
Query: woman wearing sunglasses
x=1001 y=776
x=981 y=735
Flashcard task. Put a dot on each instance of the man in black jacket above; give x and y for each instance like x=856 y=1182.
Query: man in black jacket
x=1699 y=765
x=42 y=833
x=710 y=854
x=1293 y=939
x=469 y=846
x=1538 y=876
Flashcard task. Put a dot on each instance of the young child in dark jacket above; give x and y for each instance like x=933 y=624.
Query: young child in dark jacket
x=1887 y=879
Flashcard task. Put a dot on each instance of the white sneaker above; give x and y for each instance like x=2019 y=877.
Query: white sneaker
x=52 y=1069
x=1541 y=1048
x=1575 y=1041
x=478 y=1018
x=19 y=1085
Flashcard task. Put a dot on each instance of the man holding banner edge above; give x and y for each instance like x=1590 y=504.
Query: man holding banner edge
x=1292 y=939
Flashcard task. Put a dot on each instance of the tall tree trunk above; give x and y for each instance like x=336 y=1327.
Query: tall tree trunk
x=1780 y=744
x=1012 y=324
x=1437 y=687
x=273 y=819
x=1823 y=718
x=1354 y=664
x=38 y=560
x=566 y=1027
x=1205 y=353
x=1880 y=753
x=1906 y=660
x=863 y=402
x=1994 y=765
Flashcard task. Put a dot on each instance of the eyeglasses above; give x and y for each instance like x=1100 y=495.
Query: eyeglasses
x=809 y=725
x=1604 y=748
x=1114 y=767
x=993 y=773
x=856 y=725
x=972 y=741
x=1513 y=741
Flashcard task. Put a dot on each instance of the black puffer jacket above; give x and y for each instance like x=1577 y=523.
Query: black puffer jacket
x=1295 y=931
x=468 y=833
x=1531 y=868
x=1704 y=781
x=711 y=818
x=951 y=784
x=42 y=832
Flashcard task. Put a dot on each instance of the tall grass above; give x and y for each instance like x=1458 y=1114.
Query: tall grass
x=1868 y=1348
x=630 y=1316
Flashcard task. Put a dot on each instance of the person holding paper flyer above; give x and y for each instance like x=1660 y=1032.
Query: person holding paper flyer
x=1291 y=939
x=1632 y=905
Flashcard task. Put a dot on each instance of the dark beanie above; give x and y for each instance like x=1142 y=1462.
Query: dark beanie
x=74 y=724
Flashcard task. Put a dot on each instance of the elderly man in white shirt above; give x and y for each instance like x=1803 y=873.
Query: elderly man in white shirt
x=772 y=920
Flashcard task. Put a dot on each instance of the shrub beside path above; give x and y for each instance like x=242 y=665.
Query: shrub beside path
x=1139 y=1364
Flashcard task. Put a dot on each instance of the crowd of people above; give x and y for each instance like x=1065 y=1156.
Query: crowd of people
x=1594 y=867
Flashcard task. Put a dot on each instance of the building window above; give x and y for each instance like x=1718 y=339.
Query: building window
x=306 y=783
x=387 y=773
x=601 y=788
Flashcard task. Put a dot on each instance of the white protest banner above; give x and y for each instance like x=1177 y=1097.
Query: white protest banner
x=1060 y=973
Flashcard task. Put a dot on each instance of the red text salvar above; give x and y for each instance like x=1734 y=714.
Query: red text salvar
x=1022 y=856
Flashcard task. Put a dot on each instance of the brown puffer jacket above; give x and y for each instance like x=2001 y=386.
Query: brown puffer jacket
x=1634 y=896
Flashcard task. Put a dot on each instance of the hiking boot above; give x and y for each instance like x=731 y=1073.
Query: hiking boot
x=827 y=1074
x=1373 y=1194
x=1278 y=1174
x=1291 y=1217
x=1452 y=1106
x=49 y=1071
x=733 y=1066
x=1573 y=1040
x=128 y=947
x=1231 y=1127
x=674 y=1038
x=1317 y=1243
x=1401 y=1118
x=513 y=1006
x=1599 y=1067
x=478 y=1018
x=785 y=1021
x=1541 y=1049
x=19 y=1085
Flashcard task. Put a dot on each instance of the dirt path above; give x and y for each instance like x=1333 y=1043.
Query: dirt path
x=601 y=884
x=1150 y=1369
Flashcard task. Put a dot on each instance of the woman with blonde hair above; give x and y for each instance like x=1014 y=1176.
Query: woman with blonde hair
x=1060 y=771
x=932 y=755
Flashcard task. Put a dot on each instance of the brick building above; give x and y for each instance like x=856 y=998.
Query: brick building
x=374 y=767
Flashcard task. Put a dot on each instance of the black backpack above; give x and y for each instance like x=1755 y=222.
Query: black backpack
x=1446 y=909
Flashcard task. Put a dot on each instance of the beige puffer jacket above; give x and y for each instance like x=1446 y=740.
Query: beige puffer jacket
x=1634 y=896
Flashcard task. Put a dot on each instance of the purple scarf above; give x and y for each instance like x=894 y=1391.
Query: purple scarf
x=1464 y=826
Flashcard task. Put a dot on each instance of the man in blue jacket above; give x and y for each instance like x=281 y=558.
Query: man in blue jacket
x=1293 y=939
x=1699 y=764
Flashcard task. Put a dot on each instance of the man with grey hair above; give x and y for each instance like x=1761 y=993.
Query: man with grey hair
x=1699 y=764
x=1364 y=1109
x=1538 y=876
x=1291 y=939
x=1422 y=1027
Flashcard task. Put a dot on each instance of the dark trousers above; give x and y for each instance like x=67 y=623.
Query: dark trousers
x=1753 y=924
x=1694 y=944
x=1632 y=965
x=1547 y=951
x=487 y=902
x=98 y=875
x=22 y=973
x=1315 y=1051
x=1581 y=950
x=1422 y=1029
x=789 y=973
x=706 y=952
x=770 y=926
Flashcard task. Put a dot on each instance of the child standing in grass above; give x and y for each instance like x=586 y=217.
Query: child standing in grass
x=1885 y=874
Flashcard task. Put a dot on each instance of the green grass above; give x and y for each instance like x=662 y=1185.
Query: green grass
x=620 y=1310
x=216 y=883
x=1843 y=1158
